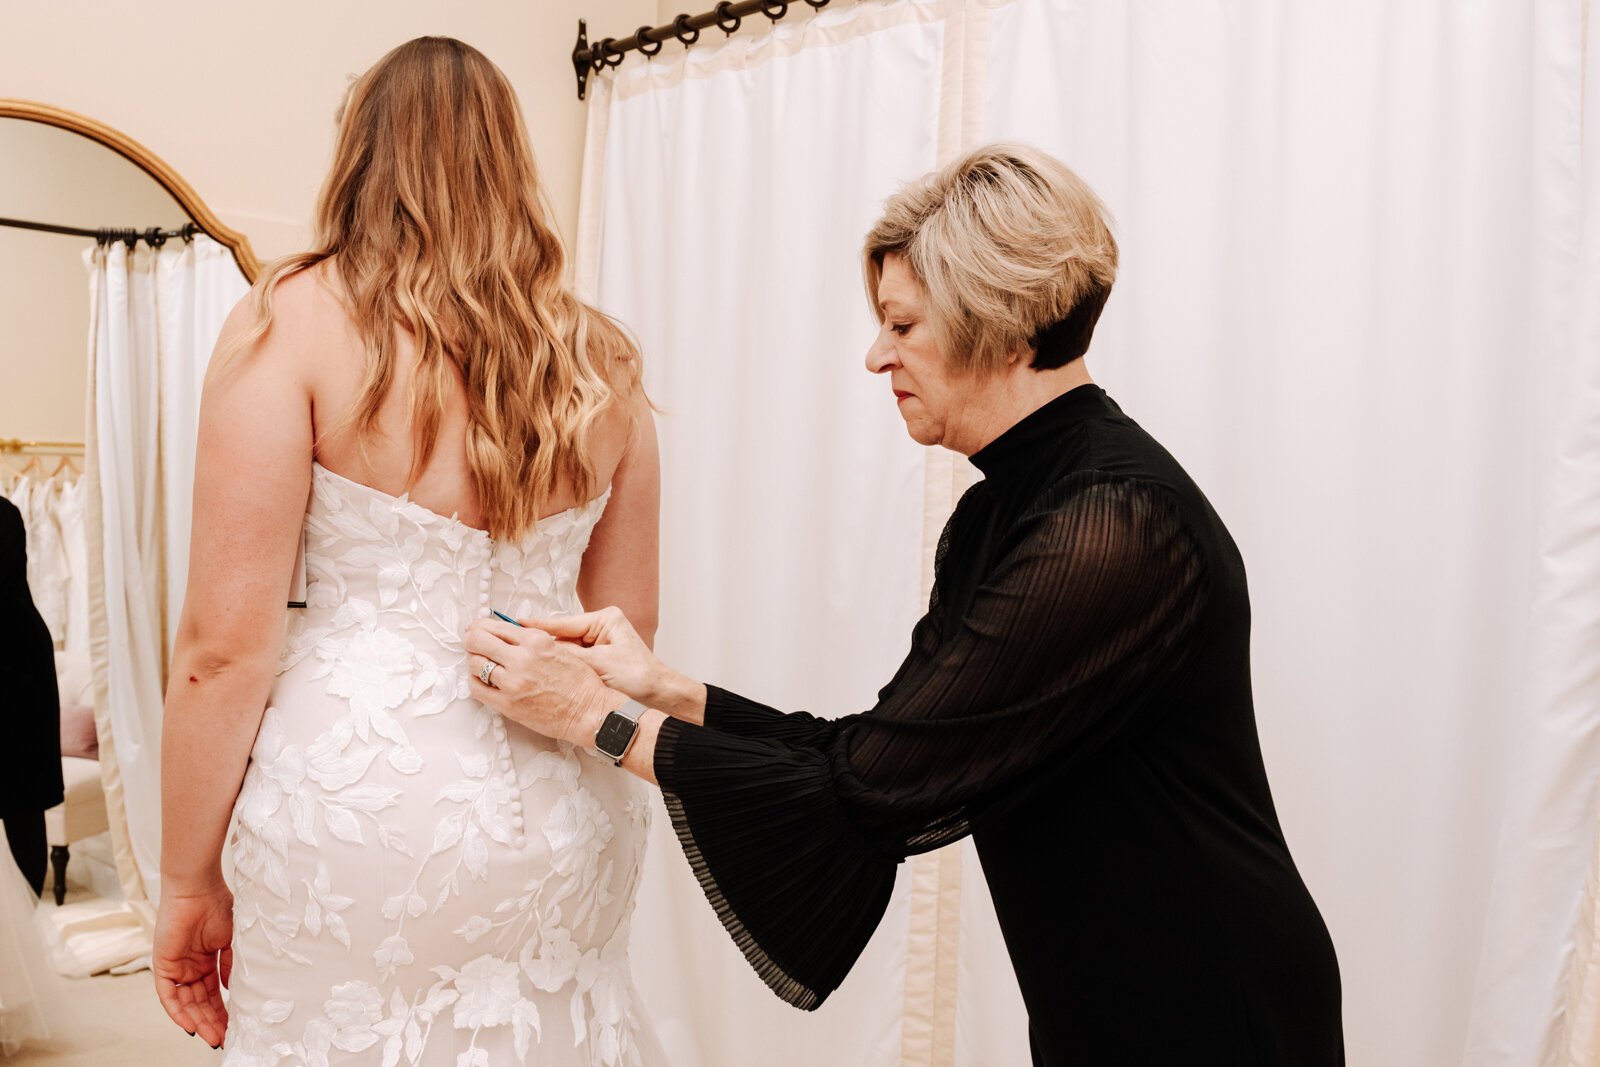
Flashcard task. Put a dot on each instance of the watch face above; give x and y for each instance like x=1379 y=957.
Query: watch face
x=614 y=735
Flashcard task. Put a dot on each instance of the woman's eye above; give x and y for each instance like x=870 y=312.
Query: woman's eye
x=900 y=328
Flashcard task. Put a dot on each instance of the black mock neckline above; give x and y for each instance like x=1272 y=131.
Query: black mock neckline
x=1019 y=447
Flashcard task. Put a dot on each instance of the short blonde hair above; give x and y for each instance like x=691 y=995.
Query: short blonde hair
x=1013 y=249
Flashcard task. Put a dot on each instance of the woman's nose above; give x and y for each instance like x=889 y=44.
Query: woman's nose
x=880 y=356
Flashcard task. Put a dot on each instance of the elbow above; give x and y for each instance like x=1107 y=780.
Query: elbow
x=201 y=656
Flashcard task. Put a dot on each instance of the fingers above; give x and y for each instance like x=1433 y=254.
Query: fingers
x=483 y=642
x=491 y=697
x=486 y=636
x=571 y=627
x=485 y=633
x=225 y=965
x=167 y=994
x=203 y=1002
x=475 y=665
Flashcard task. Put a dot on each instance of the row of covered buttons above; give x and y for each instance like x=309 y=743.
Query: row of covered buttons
x=501 y=742
x=510 y=777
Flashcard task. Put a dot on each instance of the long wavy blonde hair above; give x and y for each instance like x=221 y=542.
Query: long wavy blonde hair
x=434 y=219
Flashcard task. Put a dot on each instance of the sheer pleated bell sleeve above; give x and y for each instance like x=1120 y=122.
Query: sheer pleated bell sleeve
x=794 y=824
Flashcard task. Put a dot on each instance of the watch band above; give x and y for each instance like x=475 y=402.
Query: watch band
x=617 y=732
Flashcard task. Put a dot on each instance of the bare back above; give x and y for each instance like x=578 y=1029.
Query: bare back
x=385 y=462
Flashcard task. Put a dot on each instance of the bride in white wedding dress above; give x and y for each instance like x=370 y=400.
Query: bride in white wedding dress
x=421 y=411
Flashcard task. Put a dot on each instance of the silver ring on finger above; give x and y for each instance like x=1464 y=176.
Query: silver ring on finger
x=486 y=670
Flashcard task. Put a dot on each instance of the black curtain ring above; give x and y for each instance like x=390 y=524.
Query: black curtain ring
x=727 y=22
x=774 y=9
x=643 y=33
x=130 y=238
x=607 y=54
x=680 y=26
x=817 y=5
x=155 y=238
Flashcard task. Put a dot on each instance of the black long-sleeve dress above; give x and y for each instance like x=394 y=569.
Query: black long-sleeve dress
x=30 y=754
x=1078 y=699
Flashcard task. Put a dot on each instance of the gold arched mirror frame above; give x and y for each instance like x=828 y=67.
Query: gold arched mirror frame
x=147 y=161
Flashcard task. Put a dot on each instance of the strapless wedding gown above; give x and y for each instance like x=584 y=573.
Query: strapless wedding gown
x=419 y=881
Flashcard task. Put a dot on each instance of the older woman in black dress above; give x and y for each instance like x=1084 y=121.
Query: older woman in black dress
x=1077 y=697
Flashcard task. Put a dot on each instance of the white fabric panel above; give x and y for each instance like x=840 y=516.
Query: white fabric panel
x=127 y=435
x=199 y=286
x=991 y=1020
x=734 y=201
x=1338 y=244
x=156 y=316
x=1537 y=999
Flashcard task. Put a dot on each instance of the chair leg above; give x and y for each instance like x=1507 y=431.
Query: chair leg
x=58 y=863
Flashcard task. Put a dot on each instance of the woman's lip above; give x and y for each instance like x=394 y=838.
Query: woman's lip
x=899 y=396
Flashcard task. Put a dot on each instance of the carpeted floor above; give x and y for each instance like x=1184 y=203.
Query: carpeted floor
x=118 y=1024
x=114 y=1021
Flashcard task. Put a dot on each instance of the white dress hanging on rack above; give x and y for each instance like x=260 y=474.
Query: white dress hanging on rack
x=47 y=560
x=75 y=551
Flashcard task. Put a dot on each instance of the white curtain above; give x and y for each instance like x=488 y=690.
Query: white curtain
x=154 y=317
x=1354 y=303
x=1537 y=995
x=724 y=208
x=1346 y=304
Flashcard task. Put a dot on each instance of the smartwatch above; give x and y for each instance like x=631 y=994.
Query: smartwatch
x=616 y=734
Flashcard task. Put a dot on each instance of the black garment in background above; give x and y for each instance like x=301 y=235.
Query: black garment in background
x=29 y=846
x=1078 y=699
x=30 y=746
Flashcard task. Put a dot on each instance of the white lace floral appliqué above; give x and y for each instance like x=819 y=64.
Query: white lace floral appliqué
x=418 y=882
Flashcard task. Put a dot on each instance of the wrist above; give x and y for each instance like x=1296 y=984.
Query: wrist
x=675 y=693
x=658 y=693
x=193 y=884
x=587 y=724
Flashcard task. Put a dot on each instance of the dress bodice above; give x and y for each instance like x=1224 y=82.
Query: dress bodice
x=370 y=554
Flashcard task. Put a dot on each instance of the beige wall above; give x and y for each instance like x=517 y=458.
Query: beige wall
x=50 y=175
x=239 y=99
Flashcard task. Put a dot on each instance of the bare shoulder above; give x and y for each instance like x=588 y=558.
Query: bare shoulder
x=627 y=418
x=310 y=302
x=307 y=312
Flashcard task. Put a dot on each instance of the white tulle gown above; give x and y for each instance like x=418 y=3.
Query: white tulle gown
x=32 y=999
x=419 y=881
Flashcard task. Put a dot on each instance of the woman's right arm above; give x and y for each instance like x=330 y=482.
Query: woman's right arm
x=1072 y=640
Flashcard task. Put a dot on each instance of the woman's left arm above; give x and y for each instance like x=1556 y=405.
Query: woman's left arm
x=621 y=566
x=1076 y=638
x=252 y=480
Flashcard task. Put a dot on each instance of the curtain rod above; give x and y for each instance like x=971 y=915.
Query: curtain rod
x=64 y=448
x=154 y=236
x=726 y=16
